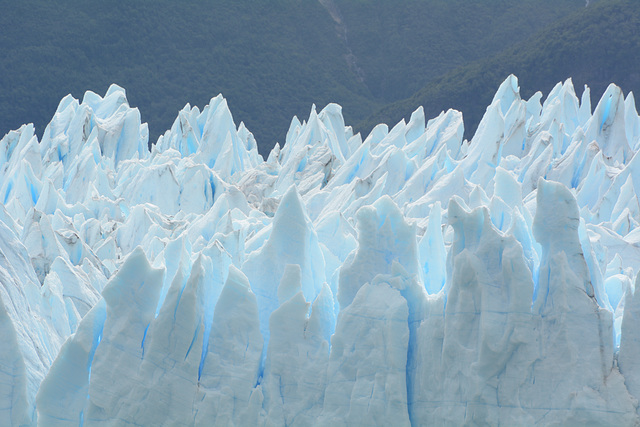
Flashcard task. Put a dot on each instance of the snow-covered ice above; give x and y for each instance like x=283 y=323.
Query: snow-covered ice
x=409 y=277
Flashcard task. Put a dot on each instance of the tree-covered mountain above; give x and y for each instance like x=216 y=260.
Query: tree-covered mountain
x=596 y=46
x=404 y=44
x=271 y=59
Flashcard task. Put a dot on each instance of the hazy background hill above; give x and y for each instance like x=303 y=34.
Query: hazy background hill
x=401 y=45
x=596 y=46
x=273 y=59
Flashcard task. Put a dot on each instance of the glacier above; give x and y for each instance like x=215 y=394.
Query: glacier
x=410 y=278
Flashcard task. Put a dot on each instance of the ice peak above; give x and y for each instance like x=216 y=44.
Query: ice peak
x=338 y=282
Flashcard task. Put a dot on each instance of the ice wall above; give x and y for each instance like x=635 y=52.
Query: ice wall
x=410 y=278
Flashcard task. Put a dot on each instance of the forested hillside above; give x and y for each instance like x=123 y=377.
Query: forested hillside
x=596 y=46
x=271 y=59
x=402 y=45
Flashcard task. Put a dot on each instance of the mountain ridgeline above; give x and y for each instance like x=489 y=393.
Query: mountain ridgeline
x=596 y=46
x=273 y=60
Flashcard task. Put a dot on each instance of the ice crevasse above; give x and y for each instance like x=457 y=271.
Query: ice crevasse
x=413 y=278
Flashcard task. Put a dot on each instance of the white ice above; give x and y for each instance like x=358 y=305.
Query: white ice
x=407 y=277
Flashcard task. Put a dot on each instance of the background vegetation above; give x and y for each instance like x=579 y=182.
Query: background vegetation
x=596 y=46
x=404 y=44
x=273 y=59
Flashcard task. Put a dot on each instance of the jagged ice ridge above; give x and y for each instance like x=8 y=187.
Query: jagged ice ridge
x=410 y=278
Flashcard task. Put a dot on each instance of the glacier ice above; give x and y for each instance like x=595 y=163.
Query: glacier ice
x=408 y=278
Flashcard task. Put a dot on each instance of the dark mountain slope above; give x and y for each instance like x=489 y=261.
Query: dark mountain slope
x=402 y=45
x=596 y=46
x=270 y=59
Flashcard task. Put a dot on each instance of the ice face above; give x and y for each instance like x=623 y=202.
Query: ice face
x=407 y=277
